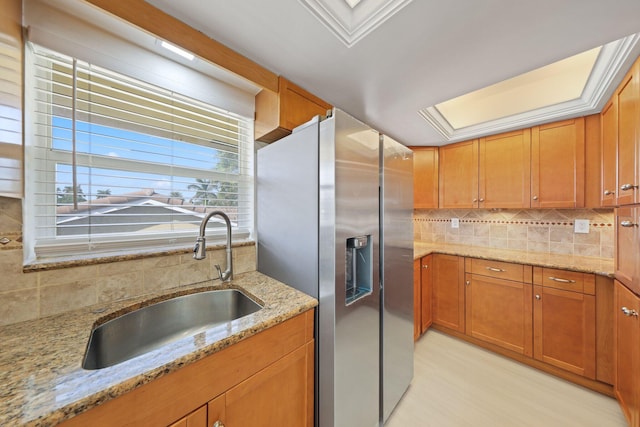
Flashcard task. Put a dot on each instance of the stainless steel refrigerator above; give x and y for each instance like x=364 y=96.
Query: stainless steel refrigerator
x=334 y=220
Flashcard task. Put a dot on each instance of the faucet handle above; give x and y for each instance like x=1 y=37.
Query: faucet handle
x=217 y=266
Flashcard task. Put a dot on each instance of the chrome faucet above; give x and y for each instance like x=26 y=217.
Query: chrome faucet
x=199 y=252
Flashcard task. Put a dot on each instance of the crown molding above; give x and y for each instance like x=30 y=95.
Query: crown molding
x=351 y=24
x=613 y=61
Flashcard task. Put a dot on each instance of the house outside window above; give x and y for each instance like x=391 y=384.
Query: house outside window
x=118 y=165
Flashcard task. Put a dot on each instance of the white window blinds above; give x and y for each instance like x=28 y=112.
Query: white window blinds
x=118 y=164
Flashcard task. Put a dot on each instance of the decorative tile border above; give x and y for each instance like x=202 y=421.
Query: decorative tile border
x=518 y=222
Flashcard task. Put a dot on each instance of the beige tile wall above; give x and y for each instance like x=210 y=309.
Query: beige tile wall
x=26 y=296
x=543 y=230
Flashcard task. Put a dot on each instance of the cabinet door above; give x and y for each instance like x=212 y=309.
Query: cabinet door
x=627 y=352
x=505 y=170
x=627 y=254
x=425 y=177
x=275 y=396
x=609 y=150
x=564 y=330
x=197 y=418
x=417 y=299
x=427 y=288
x=557 y=164
x=499 y=311
x=458 y=184
x=448 y=291
x=627 y=98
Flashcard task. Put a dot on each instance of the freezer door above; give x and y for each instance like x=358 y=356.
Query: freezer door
x=349 y=310
x=396 y=213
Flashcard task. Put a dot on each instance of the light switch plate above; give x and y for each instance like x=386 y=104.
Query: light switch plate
x=581 y=226
x=455 y=223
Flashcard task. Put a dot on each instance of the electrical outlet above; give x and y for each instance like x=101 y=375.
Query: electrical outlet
x=581 y=226
x=455 y=223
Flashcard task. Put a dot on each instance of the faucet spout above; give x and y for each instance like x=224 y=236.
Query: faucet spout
x=199 y=252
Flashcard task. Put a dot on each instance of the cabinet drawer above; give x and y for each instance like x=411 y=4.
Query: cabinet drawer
x=501 y=270
x=564 y=279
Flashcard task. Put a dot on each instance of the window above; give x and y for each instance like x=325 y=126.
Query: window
x=117 y=164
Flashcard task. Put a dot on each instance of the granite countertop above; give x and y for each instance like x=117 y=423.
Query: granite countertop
x=41 y=379
x=600 y=266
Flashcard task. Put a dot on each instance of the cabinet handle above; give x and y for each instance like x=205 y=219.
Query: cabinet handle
x=218 y=424
x=481 y=199
x=425 y=266
x=608 y=192
x=535 y=197
x=629 y=312
x=627 y=224
x=497 y=270
x=468 y=282
x=557 y=279
x=627 y=187
x=475 y=200
x=538 y=297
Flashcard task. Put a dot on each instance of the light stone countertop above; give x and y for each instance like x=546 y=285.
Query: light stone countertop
x=600 y=266
x=41 y=379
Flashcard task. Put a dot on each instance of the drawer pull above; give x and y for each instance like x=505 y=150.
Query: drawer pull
x=608 y=192
x=629 y=312
x=627 y=224
x=627 y=187
x=538 y=297
x=497 y=270
x=557 y=279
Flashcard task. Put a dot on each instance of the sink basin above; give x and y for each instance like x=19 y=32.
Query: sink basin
x=150 y=327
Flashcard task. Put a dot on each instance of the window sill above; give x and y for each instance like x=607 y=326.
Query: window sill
x=56 y=264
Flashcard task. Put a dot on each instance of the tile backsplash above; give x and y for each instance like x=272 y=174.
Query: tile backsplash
x=26 y=296
x=537 y=230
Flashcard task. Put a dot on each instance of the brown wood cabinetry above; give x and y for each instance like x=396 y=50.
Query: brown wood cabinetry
x=557 y=164
x=627 y=352
x=448 y=291
x=564 y=320
x=278 y=113
x=609 y=150
x=627 y=100
x=264 y=380
x=425 y=177
x=422 y=295
x=417 y=298
x=458 y=185
x=426 y=276
x=504 y=170
x=498 y=304
x=627 y=251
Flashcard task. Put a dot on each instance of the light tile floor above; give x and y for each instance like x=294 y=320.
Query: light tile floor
x=457 y=384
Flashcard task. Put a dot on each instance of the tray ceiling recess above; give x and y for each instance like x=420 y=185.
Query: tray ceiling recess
x=351 y=20
x=567 y=88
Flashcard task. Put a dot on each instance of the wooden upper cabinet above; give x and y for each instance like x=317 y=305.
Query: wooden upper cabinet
x=557 y=164
x=458 y=185
x=504 y=170
x=609 y=150
x=278 y=113
x=627 y=98
x=425 y=177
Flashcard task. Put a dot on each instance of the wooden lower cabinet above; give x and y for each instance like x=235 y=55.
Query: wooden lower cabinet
x=448 y=291
x=627 y=352
x=426 y=283
x=417 y=298
x=564 y=330
x=264 y=380
x=499 y=311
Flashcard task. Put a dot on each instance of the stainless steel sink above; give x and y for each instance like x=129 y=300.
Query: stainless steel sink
x=150 y=327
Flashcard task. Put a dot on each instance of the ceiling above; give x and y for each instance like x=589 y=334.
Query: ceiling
x=425 y=53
